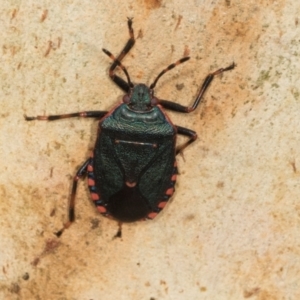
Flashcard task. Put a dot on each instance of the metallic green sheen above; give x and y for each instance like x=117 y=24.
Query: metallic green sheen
x=138 y=148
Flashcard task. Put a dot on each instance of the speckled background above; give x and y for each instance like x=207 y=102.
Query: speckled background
x=232 y=229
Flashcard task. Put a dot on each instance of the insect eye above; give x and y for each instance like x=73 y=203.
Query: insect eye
x=154 y=101
x=126 y=99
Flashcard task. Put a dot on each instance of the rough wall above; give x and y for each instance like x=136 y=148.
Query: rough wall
x=232 y=229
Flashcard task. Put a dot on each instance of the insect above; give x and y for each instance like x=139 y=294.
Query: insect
x=132 y=170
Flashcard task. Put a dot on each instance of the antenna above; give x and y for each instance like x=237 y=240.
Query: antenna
x=120 y=65
x=170 y=67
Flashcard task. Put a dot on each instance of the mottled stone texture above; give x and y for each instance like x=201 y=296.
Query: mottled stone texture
x=232 y=229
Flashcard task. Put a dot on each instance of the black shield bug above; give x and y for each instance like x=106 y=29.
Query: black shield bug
x=132 y=170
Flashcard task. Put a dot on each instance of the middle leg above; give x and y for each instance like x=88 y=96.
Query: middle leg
x=186 y=132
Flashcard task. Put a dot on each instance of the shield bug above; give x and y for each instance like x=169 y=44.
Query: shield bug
x=132 y=170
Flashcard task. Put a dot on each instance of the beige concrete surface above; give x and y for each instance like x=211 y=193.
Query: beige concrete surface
x=232 y=230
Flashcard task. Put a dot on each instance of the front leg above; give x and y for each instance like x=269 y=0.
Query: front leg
x=97 y=114
x=187 y=109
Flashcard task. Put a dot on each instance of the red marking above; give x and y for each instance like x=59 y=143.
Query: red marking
x=42 y=117
x=95 y=196
x=152 y=215
x=174 y=177
x=167 y=117
x=91 y=182
x=90 y=168
x=101 y=209
x=170 y=191
x=162 y=204
x=130 y=184
x=82 y=114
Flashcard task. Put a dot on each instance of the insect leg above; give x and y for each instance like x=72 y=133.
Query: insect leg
x=187 y=132
x=187 y=109
x=80 y=174
x=97 y=114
